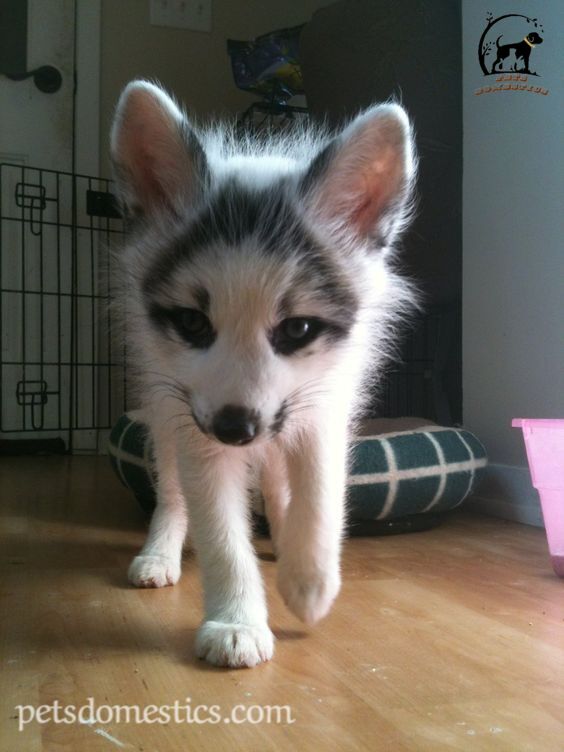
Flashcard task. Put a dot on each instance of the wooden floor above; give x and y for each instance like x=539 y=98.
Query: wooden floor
x=451 y=639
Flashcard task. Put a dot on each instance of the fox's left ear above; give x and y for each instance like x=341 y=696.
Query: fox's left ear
x=361 y=183
x=158 y=161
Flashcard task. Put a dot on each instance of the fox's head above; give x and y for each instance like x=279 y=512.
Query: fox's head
x=256 y=273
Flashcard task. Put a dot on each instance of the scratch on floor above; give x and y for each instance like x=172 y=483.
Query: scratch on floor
x=104 y=734
x=109 y=737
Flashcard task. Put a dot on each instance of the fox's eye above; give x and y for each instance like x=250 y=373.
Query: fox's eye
x=293 y=334
x=295 y=328
x=193 y=326
x=194 y=322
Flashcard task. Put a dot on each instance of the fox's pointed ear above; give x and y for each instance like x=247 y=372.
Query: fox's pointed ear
x=361 y=183
x=157 y=159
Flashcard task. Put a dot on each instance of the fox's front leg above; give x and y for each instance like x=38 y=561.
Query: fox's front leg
x=275 y=491
x=310 y=546
x=235 y=630
x=159 y=561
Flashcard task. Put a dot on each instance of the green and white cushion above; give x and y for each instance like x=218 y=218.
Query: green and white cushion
x=429 y=468
x=129 y=448
x=392 y=475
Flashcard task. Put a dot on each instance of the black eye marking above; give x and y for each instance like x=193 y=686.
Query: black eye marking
x=202 y=298
x=295 y=333
x=279 y=418
x=192 y=325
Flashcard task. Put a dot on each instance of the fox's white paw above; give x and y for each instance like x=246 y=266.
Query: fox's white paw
x=234 y=645
x=308 y=594
x=153 y=571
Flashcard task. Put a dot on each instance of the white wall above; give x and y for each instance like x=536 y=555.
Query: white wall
x=513 y=250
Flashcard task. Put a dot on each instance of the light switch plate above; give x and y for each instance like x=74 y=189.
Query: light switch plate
x=182 y=14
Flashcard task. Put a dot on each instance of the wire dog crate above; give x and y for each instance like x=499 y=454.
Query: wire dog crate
x=425 y=381
x=62 y=376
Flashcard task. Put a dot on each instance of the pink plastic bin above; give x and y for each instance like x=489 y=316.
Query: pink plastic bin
x=544 y=441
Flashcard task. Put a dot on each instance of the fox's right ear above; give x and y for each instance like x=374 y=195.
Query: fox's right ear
x=158 y=161
x=361 y=184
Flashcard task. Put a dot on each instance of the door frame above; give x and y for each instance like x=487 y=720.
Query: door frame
x=88 y=17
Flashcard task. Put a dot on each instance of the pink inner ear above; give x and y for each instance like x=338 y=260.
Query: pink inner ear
x=373 y=190
x=149 y=182
x=151 y=150
x=363 y=213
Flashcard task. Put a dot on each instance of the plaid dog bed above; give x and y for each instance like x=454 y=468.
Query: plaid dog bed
x=427 y=469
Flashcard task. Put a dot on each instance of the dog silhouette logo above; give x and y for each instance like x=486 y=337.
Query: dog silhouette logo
x=509 y=46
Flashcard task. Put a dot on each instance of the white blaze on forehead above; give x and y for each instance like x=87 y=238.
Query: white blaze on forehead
x=245 y=288
x=255 y=171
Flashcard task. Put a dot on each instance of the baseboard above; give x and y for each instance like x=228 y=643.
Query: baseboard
x=507 y=492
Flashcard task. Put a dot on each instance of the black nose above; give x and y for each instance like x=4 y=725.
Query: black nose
x=235 y=425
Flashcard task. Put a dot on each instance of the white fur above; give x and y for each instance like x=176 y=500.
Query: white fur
x=303 y=468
